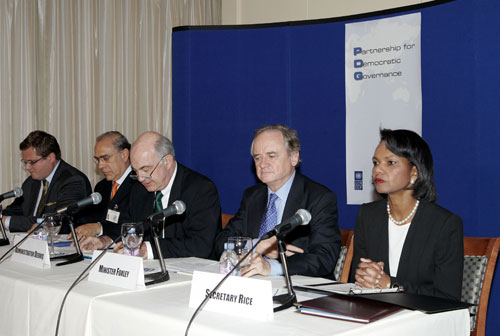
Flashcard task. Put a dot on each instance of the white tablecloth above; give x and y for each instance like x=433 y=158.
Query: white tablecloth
x=31 y=299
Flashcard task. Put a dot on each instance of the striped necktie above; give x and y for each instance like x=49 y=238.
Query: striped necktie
x=41 y=204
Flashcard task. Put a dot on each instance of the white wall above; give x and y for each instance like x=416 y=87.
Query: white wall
x=262 y=11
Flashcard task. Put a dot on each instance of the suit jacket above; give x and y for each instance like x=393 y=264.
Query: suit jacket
x=431 y=261
x=119 y=203
x=191 y=234
x=67 y=186
x=320 y=240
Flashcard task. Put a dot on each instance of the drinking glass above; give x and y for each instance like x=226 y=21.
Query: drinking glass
x=53 y=226
x=241 y=245
x=132 y=234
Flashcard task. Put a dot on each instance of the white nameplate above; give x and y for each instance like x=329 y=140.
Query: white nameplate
x=118 y=270
x=33 y=252
x=244 y=297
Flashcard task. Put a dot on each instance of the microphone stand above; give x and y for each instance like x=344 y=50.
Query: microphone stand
x=207 y=297
x=80 y=277
x=5 y=240
x=286 y=300
x=78 y=255
x=163 y=275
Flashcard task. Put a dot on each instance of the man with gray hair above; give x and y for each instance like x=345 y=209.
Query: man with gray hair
x=112 y=157
x=163 y=181
x=312 y=249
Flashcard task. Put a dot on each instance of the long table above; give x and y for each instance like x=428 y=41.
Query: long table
x=31 y=299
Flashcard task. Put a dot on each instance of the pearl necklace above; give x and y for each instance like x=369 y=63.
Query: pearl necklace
x=401 y=222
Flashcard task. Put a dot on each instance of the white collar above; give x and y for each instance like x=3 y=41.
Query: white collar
x=124 y=176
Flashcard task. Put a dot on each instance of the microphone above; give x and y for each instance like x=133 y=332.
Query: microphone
x=176 y=208
x=16 y=192
x=94 y=198
x=301 y=217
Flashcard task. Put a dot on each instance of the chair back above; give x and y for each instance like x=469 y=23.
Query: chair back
x=480 y=257
x=341 y=271
x=225 y=219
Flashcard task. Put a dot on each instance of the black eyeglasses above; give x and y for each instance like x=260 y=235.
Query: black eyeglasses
x=31 y=162
x=136 y=176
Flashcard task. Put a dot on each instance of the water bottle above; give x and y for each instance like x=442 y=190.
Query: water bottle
x=228 y=259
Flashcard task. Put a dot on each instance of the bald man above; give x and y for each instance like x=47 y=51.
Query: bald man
x=163 y=181
x=112 y=156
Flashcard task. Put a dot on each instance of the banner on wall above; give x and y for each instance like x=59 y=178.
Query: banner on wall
x=383 y=90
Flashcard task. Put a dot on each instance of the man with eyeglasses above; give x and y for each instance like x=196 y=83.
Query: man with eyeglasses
x=52 y=183
x=112 y=157
x=164 y=180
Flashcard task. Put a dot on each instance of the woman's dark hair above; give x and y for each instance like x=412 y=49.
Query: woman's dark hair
x=410 y=145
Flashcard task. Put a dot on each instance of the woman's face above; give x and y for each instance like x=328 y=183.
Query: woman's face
x=391 y=174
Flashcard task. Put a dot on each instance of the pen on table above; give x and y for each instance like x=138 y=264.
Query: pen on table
x=311 y=290
x=183 y=273
x=324 y=284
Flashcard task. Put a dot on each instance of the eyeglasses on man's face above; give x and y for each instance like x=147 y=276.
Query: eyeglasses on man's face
x=104 y=158
x=136 y=176
x=31 y=162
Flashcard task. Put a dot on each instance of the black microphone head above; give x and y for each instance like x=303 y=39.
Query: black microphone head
x=180 y=206
x=18 y=192
x=304 y=215
x=96 y=198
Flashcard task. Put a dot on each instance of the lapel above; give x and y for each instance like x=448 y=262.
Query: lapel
x=122 y=192
x=379 y=229
x=295 y=197
x=176 y=191
x=256 y=209
x=35 y=186
x=51 y=198
x=56 y=177
x=106 y=191
x=411 y=246
x=175 y=194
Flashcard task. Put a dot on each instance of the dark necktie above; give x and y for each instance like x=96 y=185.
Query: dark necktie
x=159 y=207
x=41 y=204
x=158 y=204
x=271 y=216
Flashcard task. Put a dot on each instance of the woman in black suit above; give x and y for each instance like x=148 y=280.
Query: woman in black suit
x=405 y=239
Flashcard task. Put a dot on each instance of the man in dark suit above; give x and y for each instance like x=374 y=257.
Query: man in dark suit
x=163 y=181
x=52 y=183
x=313 y=249
x=112 y=156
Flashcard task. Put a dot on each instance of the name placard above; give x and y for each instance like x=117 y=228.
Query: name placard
x=118 y=270
x=32 y=251
x=244 y=297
